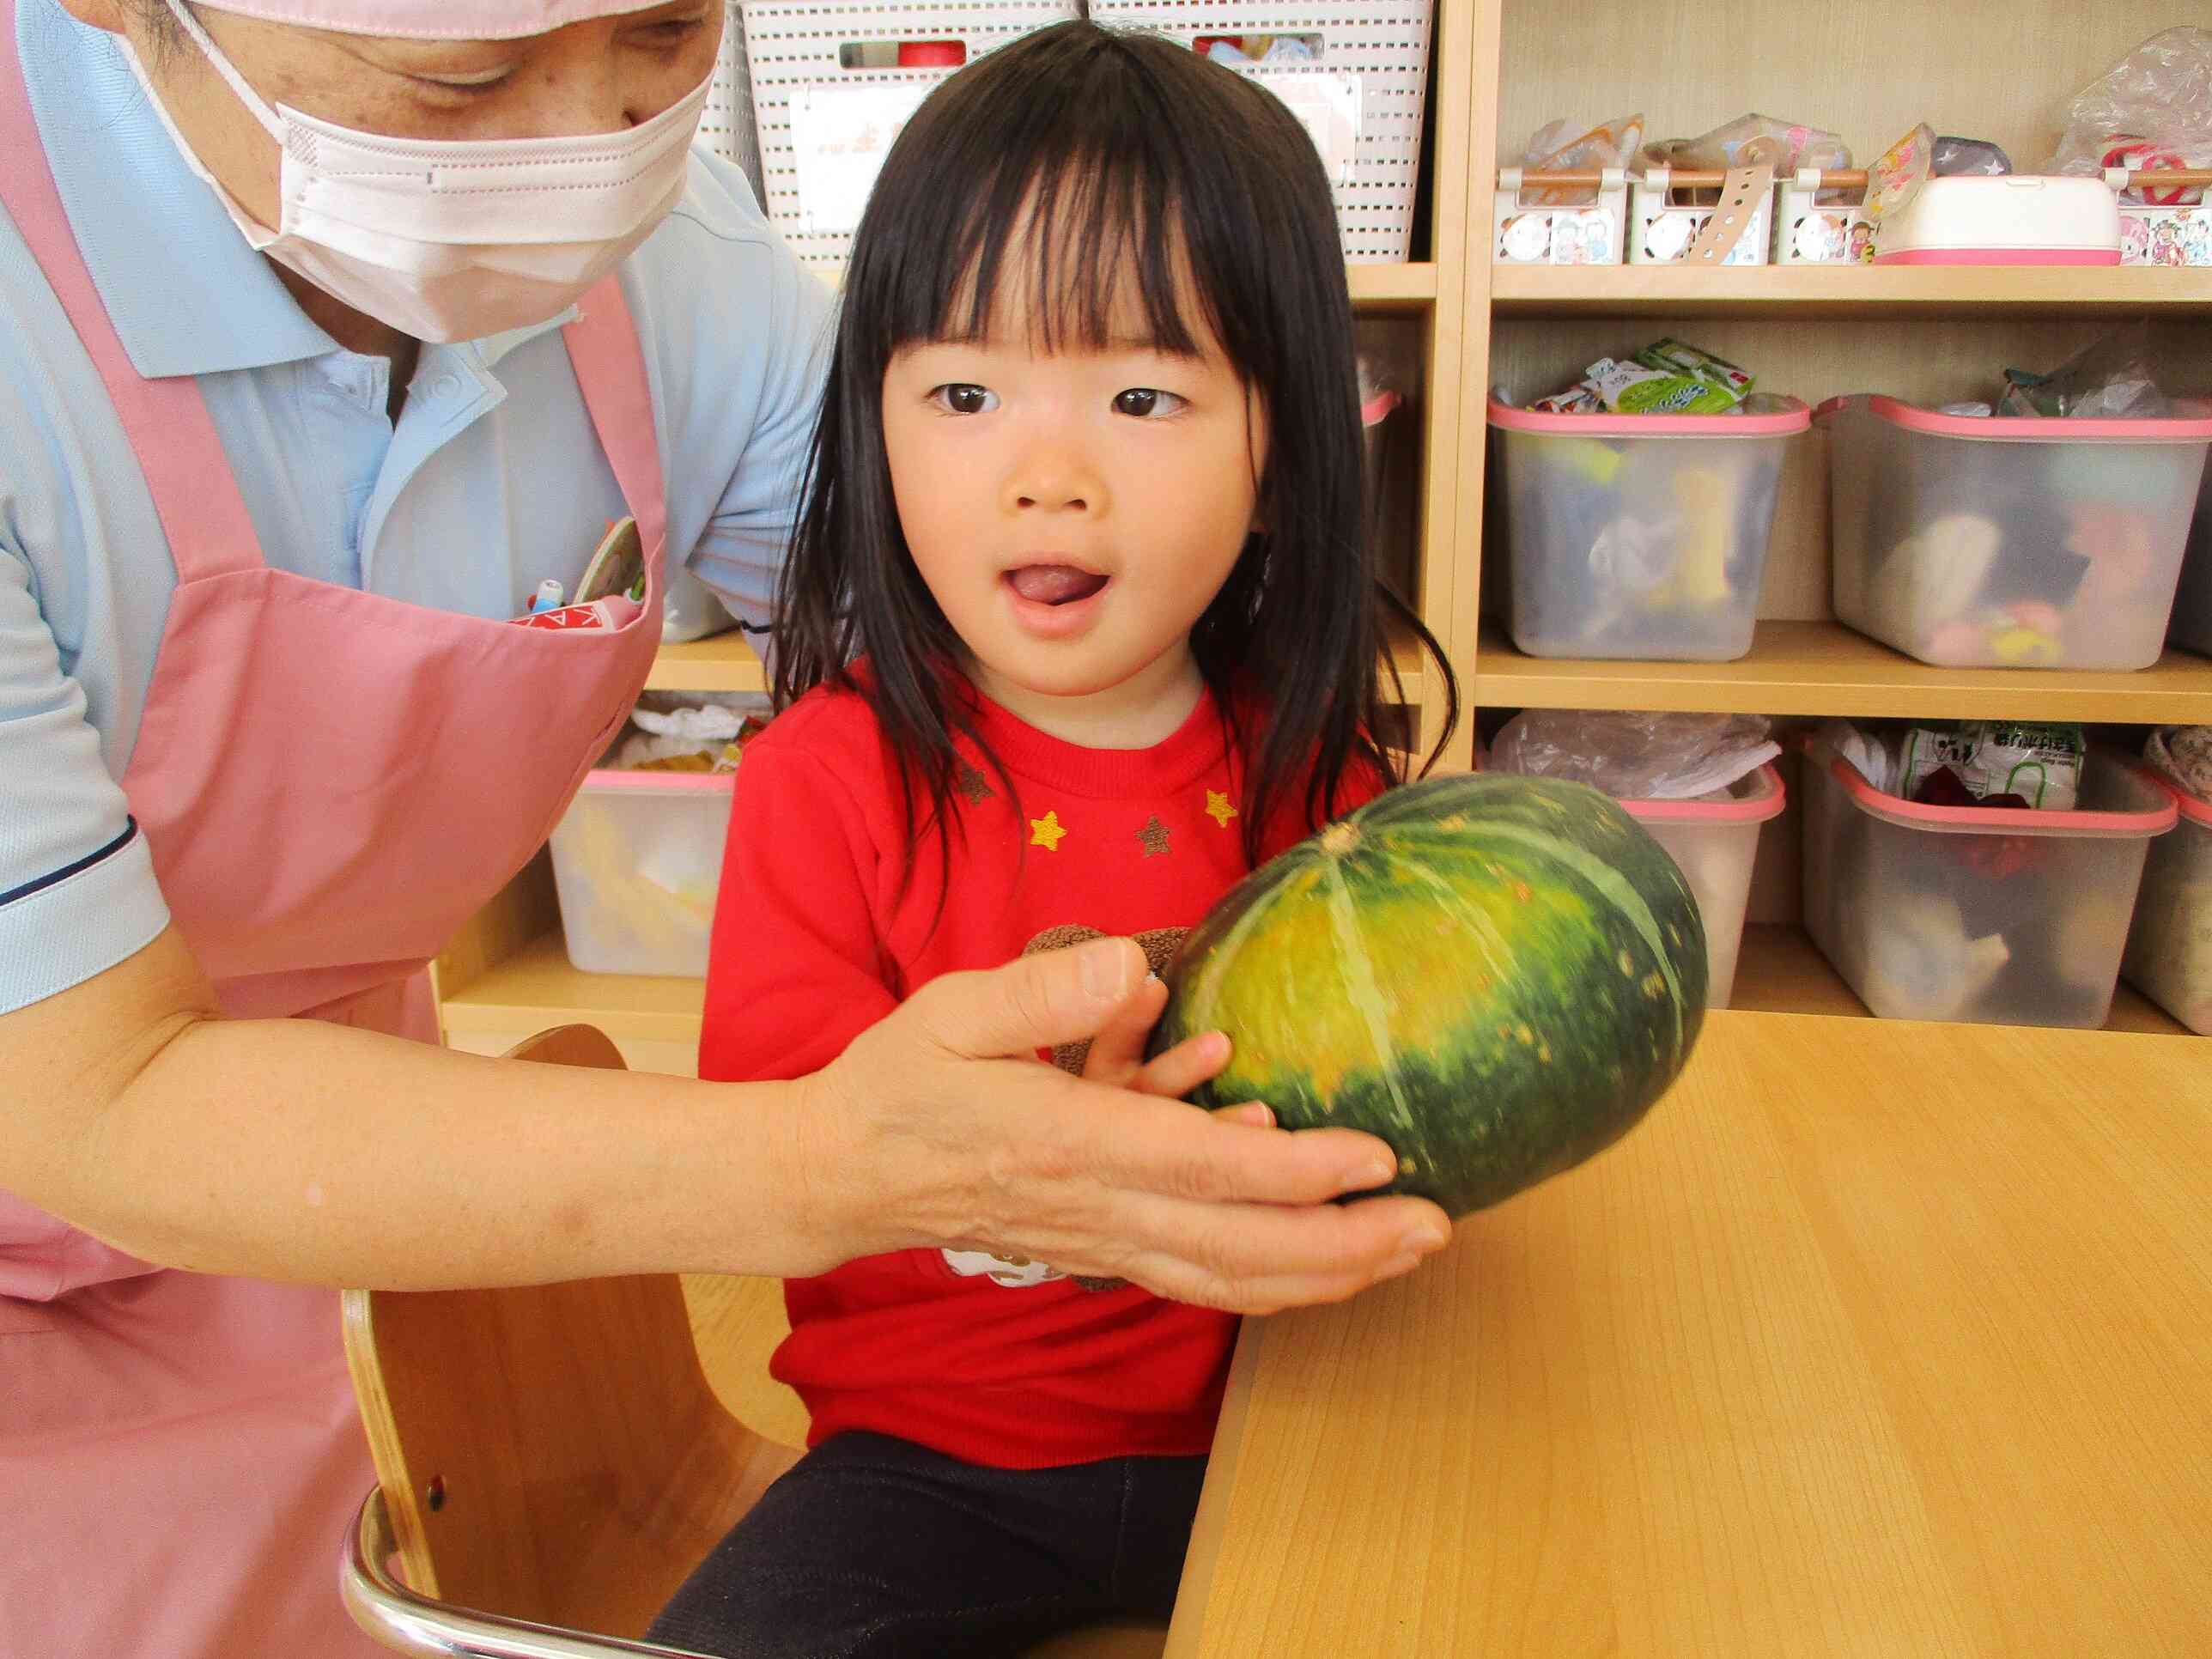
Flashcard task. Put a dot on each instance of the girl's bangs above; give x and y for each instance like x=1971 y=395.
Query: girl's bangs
x=1086 y=230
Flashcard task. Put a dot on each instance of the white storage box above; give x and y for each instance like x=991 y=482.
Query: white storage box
x=1360 y=93
x=2010 y=917
x=2014 y=219
x=2007 y=542
x=1527 y=229
x=2173 y=227
x=2169 y=955
x=2192 y=599
x=1664 y=232
x=1640 y=536
x=1810 y=232
x=637 y=859
x=825 y=128
x=1715 y=843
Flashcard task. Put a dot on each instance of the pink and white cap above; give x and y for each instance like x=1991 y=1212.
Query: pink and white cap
x=432 y=20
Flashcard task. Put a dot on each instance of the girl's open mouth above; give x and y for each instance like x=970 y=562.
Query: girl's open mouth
x=1054 y=584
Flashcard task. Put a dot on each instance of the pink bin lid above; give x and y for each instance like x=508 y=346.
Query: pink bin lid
x=2196 y=428
x=1759 y=805
x=1780 y=424
x=2156 y=816
x=610 y=778
x=2195 y=811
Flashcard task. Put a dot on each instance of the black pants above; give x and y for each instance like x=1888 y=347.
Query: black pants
x=871 y=1547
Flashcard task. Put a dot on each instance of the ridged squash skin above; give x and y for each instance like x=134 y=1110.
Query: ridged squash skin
x=1499 y=974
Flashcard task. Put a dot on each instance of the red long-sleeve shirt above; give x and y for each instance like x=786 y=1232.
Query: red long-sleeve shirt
x=816 y=938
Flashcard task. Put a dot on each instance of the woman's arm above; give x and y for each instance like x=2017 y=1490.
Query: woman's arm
x=294 y=1150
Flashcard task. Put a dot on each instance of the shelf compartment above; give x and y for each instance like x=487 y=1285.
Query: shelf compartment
x=1848 y=291
x=537 y=988
x=1392 y=288
x=1825 y=668
x=726 y=662
x=1779 y=970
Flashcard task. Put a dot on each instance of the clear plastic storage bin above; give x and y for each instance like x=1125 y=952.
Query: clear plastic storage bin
x=2169 y=955
x=1715 y=844
x=637 y=859
x=2004 y=542
x=1640 y=536
x=2192 y=599
x=2011 y=917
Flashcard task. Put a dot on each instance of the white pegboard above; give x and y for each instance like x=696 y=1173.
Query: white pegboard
x=1381 y=45
x=725 y=126
x=799 y=83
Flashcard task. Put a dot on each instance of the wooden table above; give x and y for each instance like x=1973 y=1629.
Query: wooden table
x=1802 y=1366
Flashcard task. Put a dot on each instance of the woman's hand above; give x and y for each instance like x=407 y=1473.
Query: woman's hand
x=937 y=1127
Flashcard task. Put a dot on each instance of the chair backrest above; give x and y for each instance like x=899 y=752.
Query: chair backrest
x=554 y=1453
x=551 y=1452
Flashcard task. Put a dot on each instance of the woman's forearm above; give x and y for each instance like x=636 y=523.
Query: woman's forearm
x=289 y=1149
x=295 y=1150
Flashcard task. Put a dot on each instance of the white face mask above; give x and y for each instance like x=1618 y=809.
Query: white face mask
x=447 y=241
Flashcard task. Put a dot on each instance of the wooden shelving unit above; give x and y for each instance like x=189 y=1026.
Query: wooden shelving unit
x=1928 y=334
x=1825 y=668
x=1833 y=292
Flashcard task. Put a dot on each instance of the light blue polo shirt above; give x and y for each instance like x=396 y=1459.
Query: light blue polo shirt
x=492 y=481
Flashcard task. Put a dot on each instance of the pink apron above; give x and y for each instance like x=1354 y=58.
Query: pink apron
x=330 y=782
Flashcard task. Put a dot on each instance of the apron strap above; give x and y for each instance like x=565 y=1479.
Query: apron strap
x=166 y=421
x=604 y=350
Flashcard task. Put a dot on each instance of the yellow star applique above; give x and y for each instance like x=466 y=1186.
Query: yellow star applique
x=1218 y=808
x=1046 y=832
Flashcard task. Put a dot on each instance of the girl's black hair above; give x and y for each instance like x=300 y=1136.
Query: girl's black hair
x=1136 y=159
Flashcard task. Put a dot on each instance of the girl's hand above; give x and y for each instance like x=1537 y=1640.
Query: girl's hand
x=1117 y=1056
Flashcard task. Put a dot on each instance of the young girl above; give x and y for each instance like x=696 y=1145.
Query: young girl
x=1078 y=626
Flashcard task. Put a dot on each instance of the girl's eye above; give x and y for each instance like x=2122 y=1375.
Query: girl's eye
x=959 y=397
x=1146 y=402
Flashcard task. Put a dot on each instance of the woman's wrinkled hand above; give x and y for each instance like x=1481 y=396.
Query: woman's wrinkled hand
x=937 y=1127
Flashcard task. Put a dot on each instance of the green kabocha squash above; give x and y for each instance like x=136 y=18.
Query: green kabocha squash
x=1497 y=974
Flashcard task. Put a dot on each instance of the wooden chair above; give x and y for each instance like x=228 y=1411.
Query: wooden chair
x=551 y=1460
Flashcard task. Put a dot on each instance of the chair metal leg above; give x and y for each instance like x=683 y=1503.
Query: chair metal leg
x=397 y=1618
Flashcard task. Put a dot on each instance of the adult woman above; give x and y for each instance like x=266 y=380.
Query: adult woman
x=332 y=328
